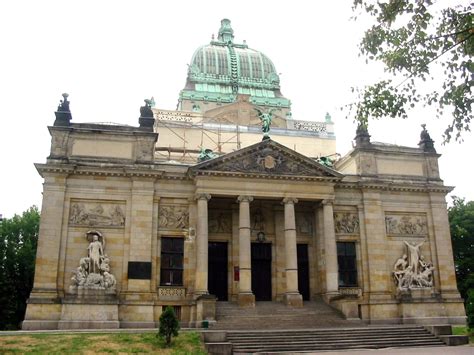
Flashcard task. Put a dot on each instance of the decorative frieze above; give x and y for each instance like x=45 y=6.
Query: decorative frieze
x=319 y=127
x=406 y=225
x=97 y=214
x=176 y=116
x=171 y=293
x=173 y=217
x=346 y=223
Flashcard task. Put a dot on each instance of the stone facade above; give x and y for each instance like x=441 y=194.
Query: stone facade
x=115 y=187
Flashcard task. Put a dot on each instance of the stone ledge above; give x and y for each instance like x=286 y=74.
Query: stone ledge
x=219 y=348
x=39 y=325
x=88 y=324
x=454 y=340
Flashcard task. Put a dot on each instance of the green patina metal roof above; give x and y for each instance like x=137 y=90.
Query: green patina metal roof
x=222 y=69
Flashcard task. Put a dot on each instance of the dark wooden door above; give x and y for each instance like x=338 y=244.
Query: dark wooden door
x=303 y=270
x=217 y=270
x=262 y=271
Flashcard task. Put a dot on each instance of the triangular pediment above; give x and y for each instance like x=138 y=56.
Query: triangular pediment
x=265 y=158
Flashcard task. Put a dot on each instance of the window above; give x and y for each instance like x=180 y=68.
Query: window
x=346 y=259
x=172 y=261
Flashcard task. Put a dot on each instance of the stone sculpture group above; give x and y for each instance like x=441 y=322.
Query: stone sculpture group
x=411 y=270
x=94 y=270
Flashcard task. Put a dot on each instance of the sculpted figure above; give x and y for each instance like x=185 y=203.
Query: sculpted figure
x=266 y=118
x=414 y=253
x=95 y=252
x=400 y=268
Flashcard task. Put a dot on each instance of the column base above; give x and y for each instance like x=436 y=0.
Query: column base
x=246 y=300
x=293 y=299
x=329 y=296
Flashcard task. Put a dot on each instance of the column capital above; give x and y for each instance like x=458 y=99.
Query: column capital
x=245 y=198
x=327 y=202
x=202 y=196
x=291 y=200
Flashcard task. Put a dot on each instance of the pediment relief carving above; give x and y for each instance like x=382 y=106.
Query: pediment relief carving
x=269 y=158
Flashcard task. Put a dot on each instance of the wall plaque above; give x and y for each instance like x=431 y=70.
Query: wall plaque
x=411 y=225
x=139 y=270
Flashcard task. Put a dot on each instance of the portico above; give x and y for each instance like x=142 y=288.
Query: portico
x=266 y=210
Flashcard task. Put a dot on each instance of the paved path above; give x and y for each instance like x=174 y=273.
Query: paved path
x=442 y=350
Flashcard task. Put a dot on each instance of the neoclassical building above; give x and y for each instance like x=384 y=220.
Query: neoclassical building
x=192 y=208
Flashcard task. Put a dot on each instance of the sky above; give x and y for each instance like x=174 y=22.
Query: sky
x=110 y=55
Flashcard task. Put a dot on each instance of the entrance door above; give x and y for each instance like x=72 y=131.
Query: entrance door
x=303 y=270
x=217 y=270
x=262 y=271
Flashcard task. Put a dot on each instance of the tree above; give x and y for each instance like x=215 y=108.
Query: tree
x=408 y=37
x=169 y=325
x=18 y=242
x=461 y=221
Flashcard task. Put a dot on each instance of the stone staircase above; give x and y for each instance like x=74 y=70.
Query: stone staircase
x=278 y=341
x=275 y=315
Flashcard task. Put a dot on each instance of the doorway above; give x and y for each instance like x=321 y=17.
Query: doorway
x=303 y=270
x=262 y=271
x=217 y=270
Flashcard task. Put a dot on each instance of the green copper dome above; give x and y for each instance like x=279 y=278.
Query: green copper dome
x=221 y=70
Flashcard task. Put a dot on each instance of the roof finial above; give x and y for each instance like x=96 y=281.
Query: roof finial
x=226 y=33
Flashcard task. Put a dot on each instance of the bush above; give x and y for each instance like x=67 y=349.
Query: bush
x=169 y=325
x=470 y=308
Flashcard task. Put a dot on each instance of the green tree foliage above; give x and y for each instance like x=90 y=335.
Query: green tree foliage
x=461 y=221
x=169 y=325
x=18 y=241
x=409 y=37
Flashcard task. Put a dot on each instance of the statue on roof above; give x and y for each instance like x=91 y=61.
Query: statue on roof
x=206 y=154
x=266 y=118
x=426 y=143
x=147 y=119
x=63 y=113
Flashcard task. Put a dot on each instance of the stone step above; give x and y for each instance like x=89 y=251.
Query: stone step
x=331 y=339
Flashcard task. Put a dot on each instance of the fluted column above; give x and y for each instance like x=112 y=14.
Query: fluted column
x=292 y=295
x=202 y=245
x=330 y=249
x=246 y=297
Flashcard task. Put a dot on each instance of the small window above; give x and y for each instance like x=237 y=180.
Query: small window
x=346 y=259
x=172 y=261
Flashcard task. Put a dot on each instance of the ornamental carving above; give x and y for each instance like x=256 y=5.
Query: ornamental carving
x=269 y=161
x=99 y=214
x=174 y=116
x=94 y=270
x=220 y=221
x=173 y=217
x=319 y=127
x=412 y=270
x=346 y=223
x=406 y=225
x=304 y=223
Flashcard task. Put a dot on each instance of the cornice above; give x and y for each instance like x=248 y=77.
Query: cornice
x=422 y=187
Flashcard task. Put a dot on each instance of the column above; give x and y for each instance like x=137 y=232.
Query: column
x=292 y=295
x=246 y=298
x=201 y=245
x=330 y=250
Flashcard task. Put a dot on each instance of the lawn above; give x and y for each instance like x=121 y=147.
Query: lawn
x=93 y=343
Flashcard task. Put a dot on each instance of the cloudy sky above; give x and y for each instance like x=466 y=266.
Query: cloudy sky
x=110 y=55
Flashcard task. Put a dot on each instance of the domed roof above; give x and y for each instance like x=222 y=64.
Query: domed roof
x=222 y=69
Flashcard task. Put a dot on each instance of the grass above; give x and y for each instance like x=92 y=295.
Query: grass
x=100 y=343
x=462 y=330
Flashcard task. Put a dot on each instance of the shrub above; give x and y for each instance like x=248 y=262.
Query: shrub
x=169 y=325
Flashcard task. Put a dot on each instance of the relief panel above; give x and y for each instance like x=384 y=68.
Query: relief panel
x=346 y=223
x=402 y=225
x=97 y=214
x=220 y=221
x=173 y=217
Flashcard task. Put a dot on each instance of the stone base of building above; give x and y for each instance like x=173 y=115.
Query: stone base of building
x=246 y=300
x=293 y=299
